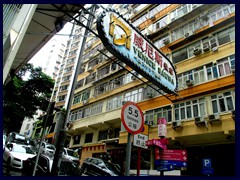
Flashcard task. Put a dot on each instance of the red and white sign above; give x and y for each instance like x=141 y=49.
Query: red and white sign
x=168 y=154
x=162 y=127
x=132 y=117
x=161 y=143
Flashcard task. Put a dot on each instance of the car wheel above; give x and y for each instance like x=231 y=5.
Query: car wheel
x=85 y=171
x=8 y=166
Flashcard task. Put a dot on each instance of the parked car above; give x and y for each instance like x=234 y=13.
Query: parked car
x=14 y=155
x=98 y=167
x=46 y=148
x=44 y=167
x=71 y=155
x=4 y=140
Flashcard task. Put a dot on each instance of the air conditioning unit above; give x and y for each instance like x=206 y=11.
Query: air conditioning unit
x=173 y=19
x=199 y=120
x=176 y=124
x=215 y=49
x=213 y=118
x=189 y=82
x=197 y=51
x=101 y=88
x=116 y=81
x=150 y=94
x=166 y=41
x=206 y=47
x=187 y=34
x=152 y=18
x=233 y=115
x=123 y=102
x=233 y=69
x=85 y=102
x=90 y=69
x=150 y=123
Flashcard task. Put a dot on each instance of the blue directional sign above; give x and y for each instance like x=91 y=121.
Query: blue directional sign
x=207 y=170
x=171 y=162
x=167 y=167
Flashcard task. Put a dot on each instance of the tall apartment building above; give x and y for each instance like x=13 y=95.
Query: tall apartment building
x=54 y=53
x=199 y=39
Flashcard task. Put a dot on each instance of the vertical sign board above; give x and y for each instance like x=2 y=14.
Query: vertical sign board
x=127 y=43
x=140 y=139
x=162 y=127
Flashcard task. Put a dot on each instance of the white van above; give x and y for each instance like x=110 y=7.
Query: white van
x=71 y=155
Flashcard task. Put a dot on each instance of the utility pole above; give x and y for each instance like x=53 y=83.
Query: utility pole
x=45 y=119
x=62 y=133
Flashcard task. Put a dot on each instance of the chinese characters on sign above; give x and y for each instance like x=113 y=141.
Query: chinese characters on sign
x=130 y=46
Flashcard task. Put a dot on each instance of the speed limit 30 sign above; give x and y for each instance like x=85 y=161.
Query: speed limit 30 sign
x=132 y=117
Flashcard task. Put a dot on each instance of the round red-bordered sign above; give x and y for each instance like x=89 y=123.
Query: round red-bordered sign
x=132 y=117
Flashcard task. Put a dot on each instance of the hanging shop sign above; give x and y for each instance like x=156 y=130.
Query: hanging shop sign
x=128 y=44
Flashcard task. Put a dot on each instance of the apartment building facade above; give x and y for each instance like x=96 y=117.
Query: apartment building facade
x=199 y=39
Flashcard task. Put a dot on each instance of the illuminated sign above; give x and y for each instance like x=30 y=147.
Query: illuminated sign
x=128 y=44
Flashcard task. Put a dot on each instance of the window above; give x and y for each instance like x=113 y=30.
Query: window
x=88 y=137
x=103 y=135
x=79 y=83
x=153 y=115
x=180 y=55
x=101 y=89
x=134 y=96
x=114 y=102
x=61 y=98
x=104 y=71
x=222 y=102
x=64 y=88
x=190 y=109
x=27 y=126
x=76 y=99
x=76 y=139
x=66 y=78
x=96 y=108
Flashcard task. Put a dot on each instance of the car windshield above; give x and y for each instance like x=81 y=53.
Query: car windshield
x=50 y=147
x=72 y=153
x=22 y=149
x=110 y=166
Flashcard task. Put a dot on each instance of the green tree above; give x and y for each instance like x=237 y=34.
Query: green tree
x=21 y=98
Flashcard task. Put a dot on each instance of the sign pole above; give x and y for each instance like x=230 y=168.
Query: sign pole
x=128 y=155
x=139 y=162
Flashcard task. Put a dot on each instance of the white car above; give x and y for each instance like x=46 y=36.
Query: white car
x=46 y=148
x=4 y=140
x=14 y=155
x=71 y=155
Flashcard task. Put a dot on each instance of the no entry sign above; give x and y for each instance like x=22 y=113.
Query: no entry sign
x=132 y=117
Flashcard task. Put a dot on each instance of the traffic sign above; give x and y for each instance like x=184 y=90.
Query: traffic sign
x=132 y=117
x=161 y=143
x=171 y=162
x=207 y=163
x=167 y=167
x=167 y=154
x=139 y=140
